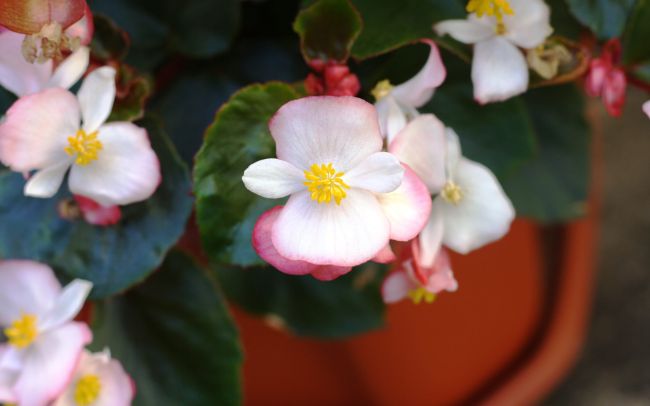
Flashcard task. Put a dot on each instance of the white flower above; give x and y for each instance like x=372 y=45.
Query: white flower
x=23 y=78
x=112 y=164
x=98 y=381
x=646 y=108
x=396 y=105
x=44 y=343
x=331 y=165
x=499 y=68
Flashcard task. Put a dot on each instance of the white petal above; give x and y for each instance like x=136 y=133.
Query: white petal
x=391 y=117
x=421 y=145
x=96 y=97
x=36 y=128
x=326 y=129
x=453 y=151
x=67 y=305
x=16 y=74
x=26 y=287
x=329 y=234
x=273 y=178
x=646 y=108
x=484 y=213
x=46 y=182
x=530 y=24
x=71 y=69
x=50 y=363
x=381 y=172
x=126 y=170
x=396 y=287
x=499 y=71
x=419 y=89
x=430 y=238
x=468 y=31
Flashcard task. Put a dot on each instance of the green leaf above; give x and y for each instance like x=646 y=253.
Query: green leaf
x=390 y=24
x=109 y=43
x=553 y=186
x=327 y=30
x=6 y=100
x=133 y=91
x=238 y=137
x=199 y=29
x=606 y=18
x=349 y=305
x=637 y=32
x=175 y=337
x=113 y=258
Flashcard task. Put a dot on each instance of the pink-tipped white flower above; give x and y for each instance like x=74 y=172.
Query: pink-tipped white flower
x=396 y=105
x=646 y=108
x=98 y=381
x=44 y=343
x=419 y=278
x=53 y=131
x=497 y=29
x=331 y=165
x=23 y=78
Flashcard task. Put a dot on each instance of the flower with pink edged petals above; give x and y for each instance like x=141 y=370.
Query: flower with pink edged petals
x=110 y=163
x=396 y=105
x=418 y=278
x=331 y=165
x=44 y=343
x=98 y=381
x=606 y=78
x=23 y=78
x=499 y=68
x=96 y=214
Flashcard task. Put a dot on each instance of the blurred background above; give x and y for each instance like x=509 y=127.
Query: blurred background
x=614 y=366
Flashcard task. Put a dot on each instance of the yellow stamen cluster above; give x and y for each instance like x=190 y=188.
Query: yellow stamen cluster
x=421 y=294
x=382 y=89
x=87 y=390
x=22 y=332
x=85 y=146
x=495 y=8
x=452 y=193
x=325 y=183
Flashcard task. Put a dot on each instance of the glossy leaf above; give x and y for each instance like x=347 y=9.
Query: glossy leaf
x=553 y=186
x=113 y=258
x=28 y=17
x=606 y=18
x=635 y=41
x=389 y=24
x=327 y=30
x=305 y=306
x=175 y=337
x=238 y=137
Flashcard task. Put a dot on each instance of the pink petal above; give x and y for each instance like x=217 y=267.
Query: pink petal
x=407 y=208
x=419 y=89
x=84 y=28
x=326 y=129
x=35 y=130
x=596 y=77
x=396 y=287
x=385 y=256
x=96 y=214
x=16 y=74
x=614 y=92
x=438 y=277
x=646 y=108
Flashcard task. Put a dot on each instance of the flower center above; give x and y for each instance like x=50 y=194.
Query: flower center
x=22 y=332
x=452 y=193
x=87 y=390
x=495 y=8
x=421 y=294
x=325 y=183
x=382 y=89
x=85 y=146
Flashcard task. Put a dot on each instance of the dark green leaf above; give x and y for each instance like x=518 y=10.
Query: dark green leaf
x=175 y=337
x=238 y=137
x=637 y=32
x=109 y=41
x=553 y=186
x=133 y=91
x=328 y=29
x=305 y=306
x=390 y=24
x=113 y=258
x=6 y=99
x=606 y=18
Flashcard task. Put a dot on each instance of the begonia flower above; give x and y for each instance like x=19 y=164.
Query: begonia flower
x=497 y=29
x=97 y=214
x=23 y=78
x=331 y=79
x=110 y=163
x=606 y=78
x=331 y=165
x=419 y=278
x=43 y=342
x=98 y=381
x=396 y=105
